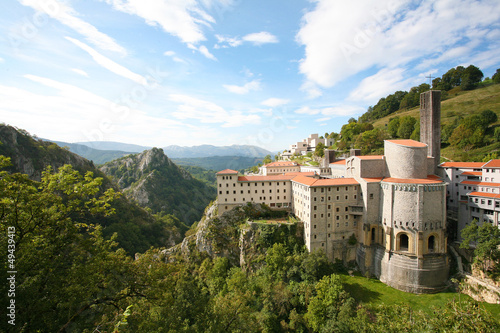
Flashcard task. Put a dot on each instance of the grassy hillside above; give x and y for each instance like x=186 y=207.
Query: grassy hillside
x=461 y=104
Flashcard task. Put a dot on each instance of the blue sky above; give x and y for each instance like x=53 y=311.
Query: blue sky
x=191 y=72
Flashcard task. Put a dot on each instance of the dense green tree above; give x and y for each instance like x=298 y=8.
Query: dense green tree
x=406 y=127
x=470 y=133
x=489 y=117
x=330 y=309
x=69 y=276
x=267 y=159
x=470 y=77
x=496 y=77
x=319 y=150
x=486 y=239
x=393 y=126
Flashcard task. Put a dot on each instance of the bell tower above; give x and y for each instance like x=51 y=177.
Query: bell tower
x=430 y=124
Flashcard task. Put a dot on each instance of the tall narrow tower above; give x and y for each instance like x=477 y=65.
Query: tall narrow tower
x=430 y=124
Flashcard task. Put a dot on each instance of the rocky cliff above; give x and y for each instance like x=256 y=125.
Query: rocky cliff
x=238 y=235
x=153 y=181
x=31 y=156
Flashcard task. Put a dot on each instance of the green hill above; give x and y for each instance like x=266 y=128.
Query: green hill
x=461 y=104
x=153 y=181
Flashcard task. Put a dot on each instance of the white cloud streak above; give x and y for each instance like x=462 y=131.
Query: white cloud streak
x=245 y=89
x=66 y=15
x=208 y=112
x=109 y=64
x=258 y=38
x=273 y=102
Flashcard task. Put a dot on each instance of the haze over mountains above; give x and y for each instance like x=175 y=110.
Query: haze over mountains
x=104 y=151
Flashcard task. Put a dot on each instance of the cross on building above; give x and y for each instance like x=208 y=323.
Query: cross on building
x=430 y=77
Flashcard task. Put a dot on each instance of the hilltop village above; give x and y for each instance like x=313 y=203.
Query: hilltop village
x=386 y=212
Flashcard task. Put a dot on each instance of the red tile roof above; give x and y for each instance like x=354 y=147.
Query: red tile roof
x=298 y=173
x=484 y=195
x=227 y=172
x=342 y=162
x=468 y=165
x=265 y=178
x=429 y=180
x=492 y=164
x=469 y=182
x=313 y=182
x=472 y=173
x=485 y=184
x=282 y=164
x=409 y=143
x=371 y=157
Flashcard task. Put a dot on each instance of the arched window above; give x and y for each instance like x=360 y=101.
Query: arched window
x=373 y=234
x=403 y=242
x=431 y=241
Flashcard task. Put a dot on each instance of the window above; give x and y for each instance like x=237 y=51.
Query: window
x=220 y=192
x=347 y=209
x=431 y=243
x=403 y=242
x=337 y=209
x=371 y=195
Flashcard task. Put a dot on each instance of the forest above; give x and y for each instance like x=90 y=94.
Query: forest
x=70 y=278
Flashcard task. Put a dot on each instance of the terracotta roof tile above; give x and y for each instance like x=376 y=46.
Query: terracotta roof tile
x=472 y=173
x=409 y=143
x=428 y=180
x=469 y=182
x=282 y=164
x=492 y=164
x=341 y=162
x=468 y=165
x=484 y=195
x=313 y=182
x=265 y=178
x=227 y=172
x=371 y=157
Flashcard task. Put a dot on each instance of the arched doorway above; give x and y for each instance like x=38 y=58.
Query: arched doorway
x=373 y=235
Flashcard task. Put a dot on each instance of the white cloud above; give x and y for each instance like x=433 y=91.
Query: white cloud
x=2 y=60
x=172 y=55
x=208 y=112
x=79 y=115
x=307 y=110
x=260 y=38
x=273 y=102
x=388 y=34
x=68 y=16
x=203 y=50
x=183 y=19
x=328 y=112
x=320 y=120
x=80 y=72
x=385 y=82
x=257 y=38
x=245 y=89
x=109 y=64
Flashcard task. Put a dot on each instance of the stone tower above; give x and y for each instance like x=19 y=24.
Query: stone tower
x=430 y=124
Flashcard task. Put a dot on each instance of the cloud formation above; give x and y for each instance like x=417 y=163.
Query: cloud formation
x=67 y=15
x=258 y=38
x=388 y=34
x=245 y=89
x=109 y=64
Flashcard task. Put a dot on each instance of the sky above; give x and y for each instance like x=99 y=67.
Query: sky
x=257 y=72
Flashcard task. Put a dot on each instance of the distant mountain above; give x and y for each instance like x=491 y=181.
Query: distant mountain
x=111 y=145
x=208 y=151
x=218 y=163
x=98 y=156
x=153 y=181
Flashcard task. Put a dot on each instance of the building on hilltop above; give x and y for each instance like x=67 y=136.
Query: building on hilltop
x=307 y=145
x=279 y=168
x=386 y=212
